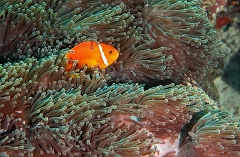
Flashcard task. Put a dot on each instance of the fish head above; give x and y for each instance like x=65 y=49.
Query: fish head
x=110 y=52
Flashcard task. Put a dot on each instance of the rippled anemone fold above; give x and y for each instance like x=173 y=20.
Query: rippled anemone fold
x=213 y=133
x=158 y=40
x=177 y=34
x=60 y=116
x=82 y=116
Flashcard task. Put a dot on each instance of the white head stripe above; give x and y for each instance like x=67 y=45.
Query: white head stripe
x=102 y=54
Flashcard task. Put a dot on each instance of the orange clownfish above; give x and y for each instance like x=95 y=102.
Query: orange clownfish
x=92 y=53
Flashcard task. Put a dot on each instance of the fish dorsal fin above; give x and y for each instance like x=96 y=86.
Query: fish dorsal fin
x=91 y=46
x=105 y=61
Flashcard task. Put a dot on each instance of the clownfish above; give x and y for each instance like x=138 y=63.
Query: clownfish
x=92 y=53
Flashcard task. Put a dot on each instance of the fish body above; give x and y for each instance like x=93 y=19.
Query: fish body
x=92 y=53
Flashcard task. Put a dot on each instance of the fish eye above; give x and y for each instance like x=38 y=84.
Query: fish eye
x=110 y=52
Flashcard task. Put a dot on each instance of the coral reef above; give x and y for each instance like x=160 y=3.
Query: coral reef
x=152 y=93
x=227 y=80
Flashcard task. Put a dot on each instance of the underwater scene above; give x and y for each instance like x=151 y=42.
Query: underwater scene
x=120 y=78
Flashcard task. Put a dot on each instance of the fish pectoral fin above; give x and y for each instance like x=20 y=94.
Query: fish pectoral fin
x=91 y=46
x=99 y=60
